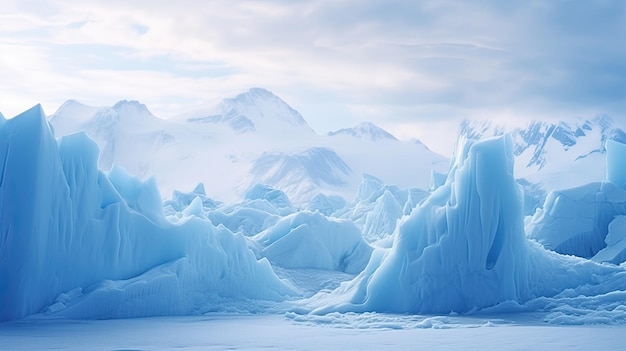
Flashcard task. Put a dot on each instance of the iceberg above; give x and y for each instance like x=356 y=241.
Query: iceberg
x=311 y=240
x=576 y=221
x=463 y=249
x=77 y=242
x=328 y=205
x=615 y=157
x=586 y=220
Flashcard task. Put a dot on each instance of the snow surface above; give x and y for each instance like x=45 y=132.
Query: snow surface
x=345 y=332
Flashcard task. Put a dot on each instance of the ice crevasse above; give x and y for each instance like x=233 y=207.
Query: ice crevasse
x=80 y=243
x=464 y=249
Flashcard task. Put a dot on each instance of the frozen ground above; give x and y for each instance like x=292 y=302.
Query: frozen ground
x=262 y=332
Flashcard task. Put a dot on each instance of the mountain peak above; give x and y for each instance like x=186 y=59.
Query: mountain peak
x=365 y=130
x=260 y=92
x=130 y=107
x=253 y=110
x=71 y=103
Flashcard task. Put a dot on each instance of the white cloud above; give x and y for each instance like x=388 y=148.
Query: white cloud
x=396 y=63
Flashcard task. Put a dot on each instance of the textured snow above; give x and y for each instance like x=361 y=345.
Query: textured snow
x=263 y=332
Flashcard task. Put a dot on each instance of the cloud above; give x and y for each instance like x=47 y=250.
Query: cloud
x=397 y=63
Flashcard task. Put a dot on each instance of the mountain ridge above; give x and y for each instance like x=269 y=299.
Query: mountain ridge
x=225 y=150
x=365 y=130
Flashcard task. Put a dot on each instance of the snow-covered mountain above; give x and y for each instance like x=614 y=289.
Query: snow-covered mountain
x=366 y=130
x=302 y=174
x=557 y=155
x=255 y=110
x=252 y=138
x=127 y=133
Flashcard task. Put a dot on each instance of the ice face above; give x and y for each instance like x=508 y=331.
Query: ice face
x=311 y=240
x=463 y=248
x=327 y=204
x=616 y=163
x=575 y=221
x=77 y=242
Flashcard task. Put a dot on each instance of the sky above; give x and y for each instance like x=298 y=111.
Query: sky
x=415 y=68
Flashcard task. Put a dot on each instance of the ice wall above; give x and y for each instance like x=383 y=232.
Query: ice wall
x=463 y=248
x=67 y=227
x=616 y=163
x=578 y=221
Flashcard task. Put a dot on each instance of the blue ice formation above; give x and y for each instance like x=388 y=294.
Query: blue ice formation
x=311 y=240
x=79 y=243
x=382 y=219
x=587 y=221
x=378 y=207
x=277 y=198
x=576 y=221
x=464 y=249
x=328 y=205
x=616 y=163
x=181 y=200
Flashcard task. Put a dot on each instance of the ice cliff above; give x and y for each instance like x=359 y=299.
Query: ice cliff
x=464 y=249
x=77 y=242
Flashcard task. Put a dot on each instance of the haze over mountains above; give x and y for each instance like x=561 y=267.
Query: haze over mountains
x=252 y=138
x=257 y=138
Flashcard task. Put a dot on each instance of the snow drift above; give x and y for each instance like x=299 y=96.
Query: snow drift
x=77 y=242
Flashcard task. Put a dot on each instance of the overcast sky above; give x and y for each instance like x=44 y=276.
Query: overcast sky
x=413 y=67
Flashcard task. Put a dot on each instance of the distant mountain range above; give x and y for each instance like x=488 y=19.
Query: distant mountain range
x=555 y=155
x=257 y=138
x=252 y=138
x=365 y=130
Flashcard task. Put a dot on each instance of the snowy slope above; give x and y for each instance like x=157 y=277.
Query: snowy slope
x=555 y=155
x=254 y=137
x=257 y=110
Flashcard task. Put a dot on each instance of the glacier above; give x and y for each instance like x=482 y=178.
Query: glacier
x=587 y=221
x=77 y=242
x=464 y=249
